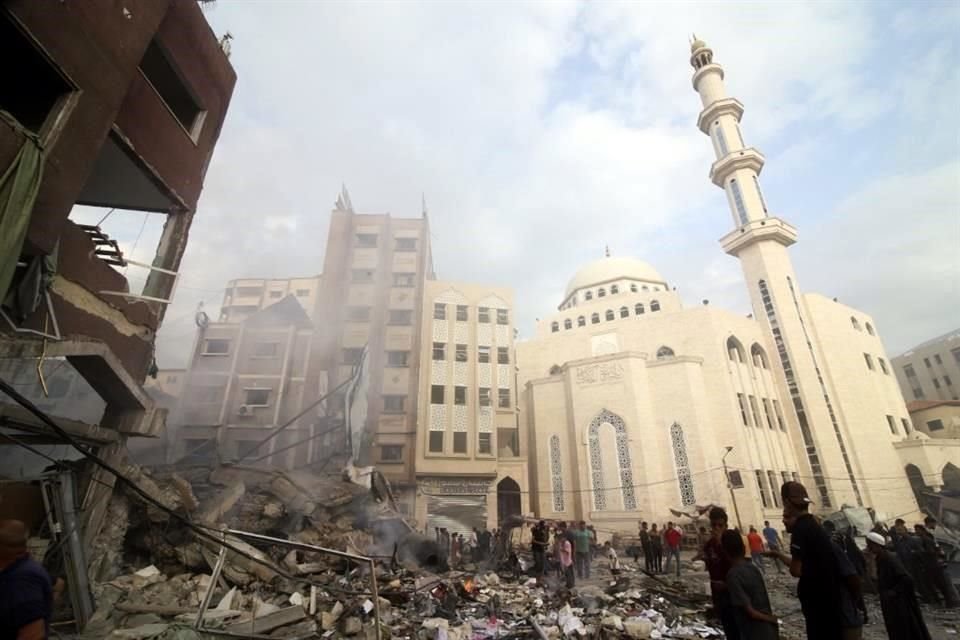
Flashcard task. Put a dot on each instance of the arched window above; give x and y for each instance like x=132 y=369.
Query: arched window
x=581 y=321
x=614 y=289
x=554 y=327
x=684 y=479
x=638 y=308
x=624 y=312
x=870 y=329
x=665 y=353
x=556 y=473
x=646 y=288
x=588 y=295
x=633 y=288
x=735 y=350
x=759 y=357
x=595 y=318
x=610 y=315
x=568 y=324
x=606 y=418
x=654 y=305
x=855 y=323
x=601 y=292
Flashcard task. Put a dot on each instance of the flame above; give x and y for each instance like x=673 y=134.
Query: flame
x=469 y=584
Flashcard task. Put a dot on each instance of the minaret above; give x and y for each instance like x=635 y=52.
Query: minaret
x=760 y=241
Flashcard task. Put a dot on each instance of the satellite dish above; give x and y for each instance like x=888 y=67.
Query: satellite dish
x=201 y=317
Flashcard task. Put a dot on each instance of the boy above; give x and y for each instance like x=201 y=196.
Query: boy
x=748 y=593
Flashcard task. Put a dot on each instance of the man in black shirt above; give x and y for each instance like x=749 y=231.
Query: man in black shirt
x=541 y=537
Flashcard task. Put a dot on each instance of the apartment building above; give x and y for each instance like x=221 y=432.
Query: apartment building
x=244 y=297
x=469 y=465
x=930 y=370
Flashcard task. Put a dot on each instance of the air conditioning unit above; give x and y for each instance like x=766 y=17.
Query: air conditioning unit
x=244 y=410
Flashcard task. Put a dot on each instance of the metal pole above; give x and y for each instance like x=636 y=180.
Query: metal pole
x=75 y=563
x=376 y=595
x=293 y=544
x=217 y=568
x=733 y=496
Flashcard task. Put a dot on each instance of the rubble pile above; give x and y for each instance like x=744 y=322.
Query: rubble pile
x=155 y=573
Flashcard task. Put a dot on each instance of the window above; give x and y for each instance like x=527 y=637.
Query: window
x=906 y=425
x=742 y=402
x=554 y=327
x=352 y=355
x=735 y=479
x=167 y=81
x=610 y=315
x=216 y=347
x=462 y=315
x=855 y=323
x=276 y=294
x=883 y=365
x=772 y=477
x=588 y=295
x=483 y=354
x=394 y=404
x=614 y=289
x=776 y=409
x=439 y=311
x=361 y=276
x=391 y=453
x=402 y=318
x=595 y=318
x=503 y=398
x=624 y=312
x=720 y=138
x=738 y=201
x=358 y=314
x=947 y=381
x=461 y=353
x=405 y=244
x=735 y=350
x=568 y=324
x=936 y=383
x=503 y=355
x=935 y=425
x=601 y=292
x=249 y=292
x=870 y=329
x=484 y=396
x=762 y=489
x=763 y=203
x=755 y=411
x=918 y=393
x=460 y=442
x=436 y=394
x=436 y=442
x=508 y=440
x=868 y=360
x=503 y=316
x=638 y=308
x=956 y=355
x=892 y=424
x=936 y=358
x=654 y=306
x=664 y=353
x=633 y=288
x=368 y=240
x=439 y=351
x=926 y=361
x=581 y=321
x=759 y=357
x=171 y=379
x=460 y=395
x=485 y=444
x=404 y=279
x=767 y=412
x=265 y=350
x=483 y=315
x=397 y=358
x=257 y=397
x=909 y=372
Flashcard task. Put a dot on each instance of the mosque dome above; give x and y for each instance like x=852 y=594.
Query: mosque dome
x=697 y=44
x=613 y=268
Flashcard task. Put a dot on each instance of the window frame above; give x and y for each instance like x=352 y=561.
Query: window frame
x=384 y=459
x=394 y=322
x=504 y=400
x=439 y=352
x=438 y=390
x=246 y=396
x=206 y=347
x=461 y=444
x=463 y=313
x=393 y=397
x=484 y=397
x=398 y=365
x=503 y=355
x=503 y=317
x=481 y=358
x=483 y=315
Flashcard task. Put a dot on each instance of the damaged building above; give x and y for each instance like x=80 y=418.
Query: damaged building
x=116 y=106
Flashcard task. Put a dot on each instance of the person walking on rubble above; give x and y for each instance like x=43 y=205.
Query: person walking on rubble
x=581 y=545
x=934 y=564
x=718 y=566
x=26 y=593
x=898 y=601
x=756 y=548
x=647 y=547
x=541 y=538
x=748 y=593
x=673 y=537
x=566 y=560
x=656 y=549
x=772 y=537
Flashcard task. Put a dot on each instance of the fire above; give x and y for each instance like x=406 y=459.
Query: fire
x=469 y=584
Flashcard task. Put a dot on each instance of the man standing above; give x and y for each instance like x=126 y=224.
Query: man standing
x=901 y=611
x=933 y=565
x=581 y=542
x=748 y=593
x=772 y=536
x=756 y=547
x=566 y=559
x=656 y=548
x=26 y=596
x=826 y=588
x=646 y=546
x=541 y=538
x=673 y=536
x=718 y=565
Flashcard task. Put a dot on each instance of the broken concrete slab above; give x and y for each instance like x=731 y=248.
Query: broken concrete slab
x=269 y=622
x=217 y=506
x=143 y=632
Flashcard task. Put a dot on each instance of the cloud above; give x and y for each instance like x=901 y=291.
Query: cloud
x=544 y=131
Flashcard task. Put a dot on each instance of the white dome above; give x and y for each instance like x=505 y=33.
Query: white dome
x=613 y=268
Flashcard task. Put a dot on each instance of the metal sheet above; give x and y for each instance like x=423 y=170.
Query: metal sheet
x=459 y=514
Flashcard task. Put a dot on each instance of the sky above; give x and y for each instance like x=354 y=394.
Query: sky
x=540 y=133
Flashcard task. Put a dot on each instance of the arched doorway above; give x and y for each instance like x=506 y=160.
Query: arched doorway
x=951 y=478
x=920 y=488
x=508 y=499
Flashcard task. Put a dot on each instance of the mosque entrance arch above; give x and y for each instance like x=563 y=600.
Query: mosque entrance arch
x=951 y=478
x=508 y=499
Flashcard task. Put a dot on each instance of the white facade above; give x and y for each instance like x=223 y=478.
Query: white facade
x=635 y=404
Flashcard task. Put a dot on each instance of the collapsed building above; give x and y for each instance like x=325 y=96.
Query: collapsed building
x=116 y=106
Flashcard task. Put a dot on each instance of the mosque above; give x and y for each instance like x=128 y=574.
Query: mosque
x=637 y=407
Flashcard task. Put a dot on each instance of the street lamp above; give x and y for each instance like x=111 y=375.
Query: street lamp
x=733 y=497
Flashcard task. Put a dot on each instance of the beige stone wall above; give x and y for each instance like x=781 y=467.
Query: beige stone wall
x=936 y=368
x=947 y=414
x=244 y=297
